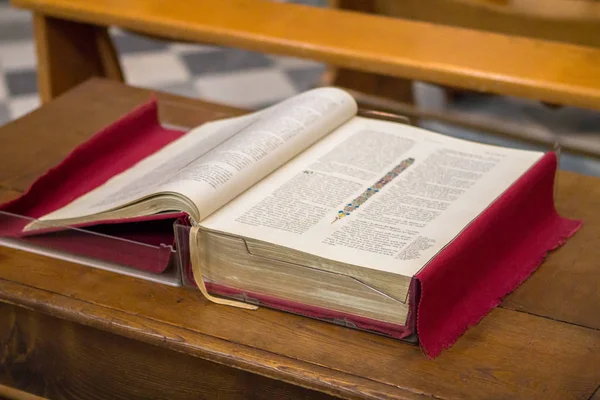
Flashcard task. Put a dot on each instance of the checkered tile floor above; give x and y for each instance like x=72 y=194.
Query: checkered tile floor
x=253 y=80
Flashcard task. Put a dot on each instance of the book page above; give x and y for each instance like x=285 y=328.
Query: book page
x=215 y=162
x=375 y=194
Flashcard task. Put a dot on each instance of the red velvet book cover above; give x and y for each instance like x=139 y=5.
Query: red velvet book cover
x=469 y=277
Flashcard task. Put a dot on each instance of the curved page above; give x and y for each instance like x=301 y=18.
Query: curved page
x=214 y=163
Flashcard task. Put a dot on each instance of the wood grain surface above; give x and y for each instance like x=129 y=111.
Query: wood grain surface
x=7 y=194
x=10 y=393
x=567 y=285
x=554 y=358
x=95 y=365
x=570 y=21
x=483 y=61
x=544 y=342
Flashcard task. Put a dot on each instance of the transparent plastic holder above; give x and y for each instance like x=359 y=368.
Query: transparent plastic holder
x=82 y=246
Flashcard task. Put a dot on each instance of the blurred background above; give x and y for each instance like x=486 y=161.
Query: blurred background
x=254 y=80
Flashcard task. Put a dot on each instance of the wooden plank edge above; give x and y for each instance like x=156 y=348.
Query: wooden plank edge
x=214 y=349
x=435 y=72
x=10 y=393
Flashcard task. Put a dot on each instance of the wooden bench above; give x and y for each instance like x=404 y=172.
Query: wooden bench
x=569 y=21
x=73 y=45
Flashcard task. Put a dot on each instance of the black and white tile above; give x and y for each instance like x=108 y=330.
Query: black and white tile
x=230 y=76
x=18 y=86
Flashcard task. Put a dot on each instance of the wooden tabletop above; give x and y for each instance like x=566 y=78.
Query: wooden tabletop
x=70 y=331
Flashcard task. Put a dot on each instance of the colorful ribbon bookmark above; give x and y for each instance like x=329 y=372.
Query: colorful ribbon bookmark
x=367 y=194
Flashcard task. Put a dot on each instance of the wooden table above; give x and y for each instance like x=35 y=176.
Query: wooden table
x=70 y=331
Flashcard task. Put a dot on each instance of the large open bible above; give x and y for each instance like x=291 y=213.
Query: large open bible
x=306 y=207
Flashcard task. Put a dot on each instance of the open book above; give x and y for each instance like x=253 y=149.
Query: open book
x=307 y=202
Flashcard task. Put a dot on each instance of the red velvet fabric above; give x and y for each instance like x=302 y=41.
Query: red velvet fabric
x=490 y=258
x=109 y=152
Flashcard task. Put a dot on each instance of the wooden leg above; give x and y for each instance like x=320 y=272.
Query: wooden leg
x=396 y=89
x=373 y=84
x=68 y=53
x=108 y=55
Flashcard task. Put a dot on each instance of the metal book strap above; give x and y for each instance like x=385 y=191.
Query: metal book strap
x=198 y=278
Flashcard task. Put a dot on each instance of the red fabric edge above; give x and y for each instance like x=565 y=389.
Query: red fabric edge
x=107 y=153
x=490 y=258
